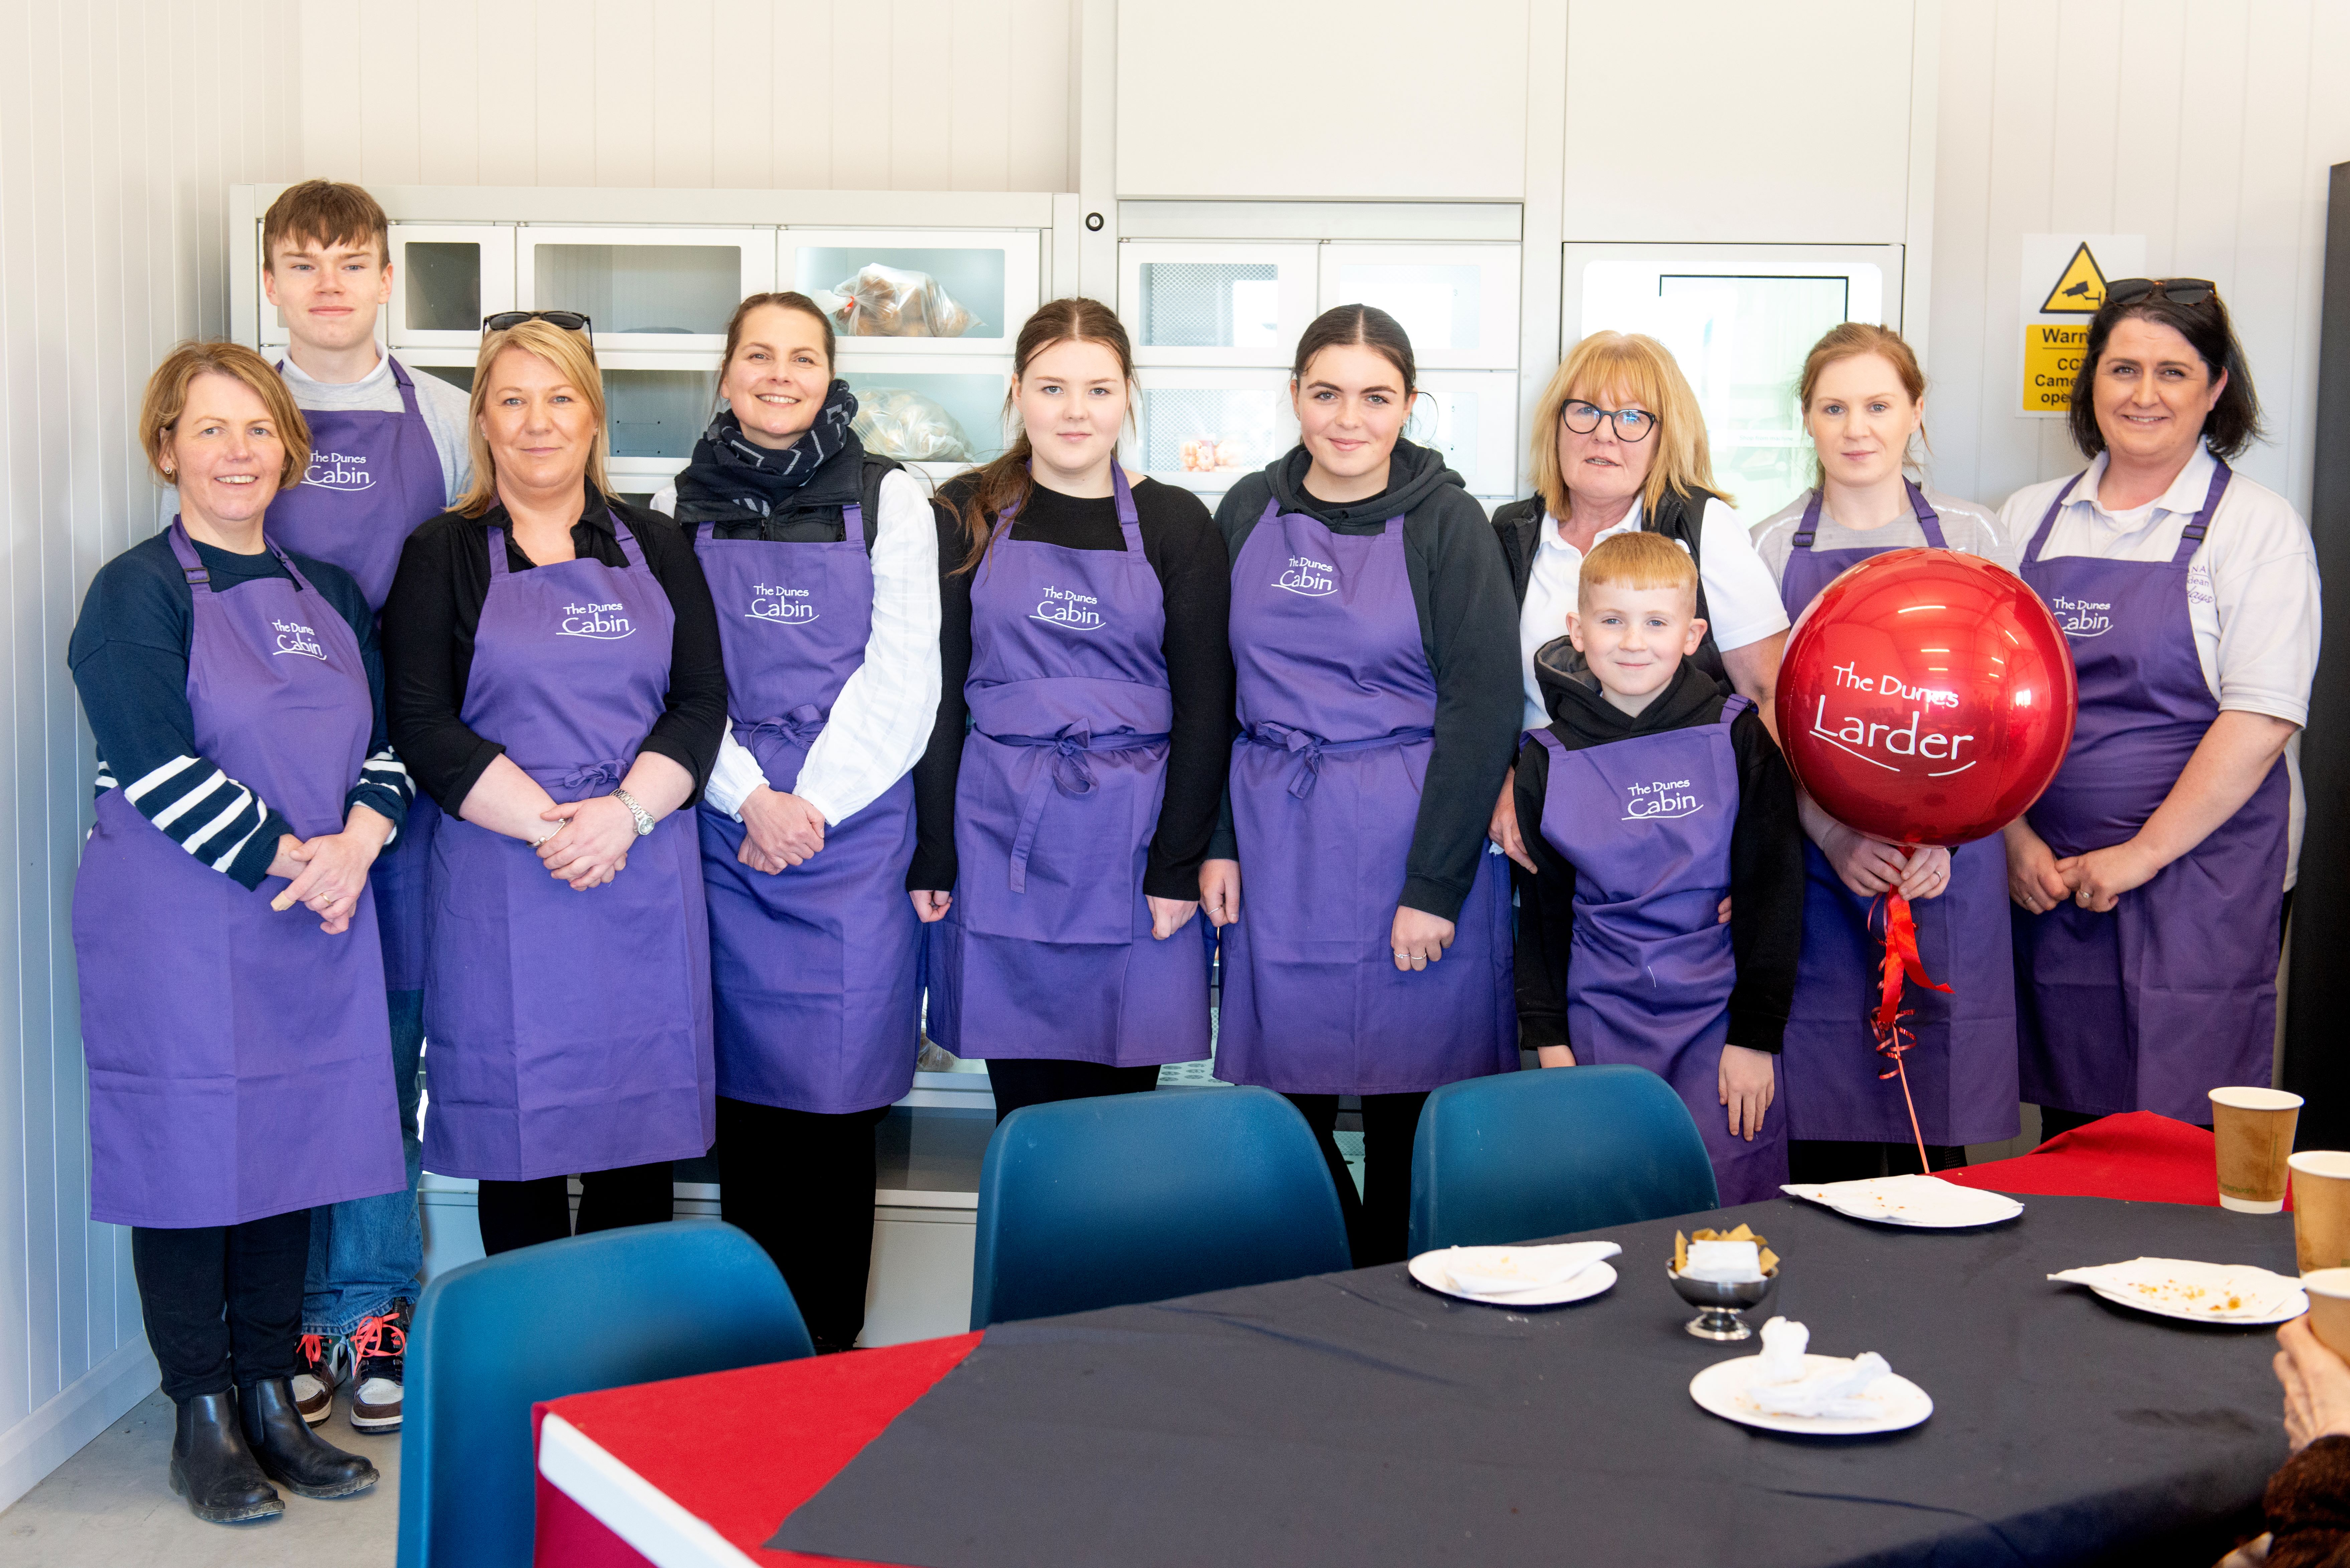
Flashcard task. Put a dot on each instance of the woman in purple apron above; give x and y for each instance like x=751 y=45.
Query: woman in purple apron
x=1374 y=648
x=238 y=1050
x=824 y=564
x=2149 y=878
x=1864 y=400
x=557 y=682
x=1083 y=633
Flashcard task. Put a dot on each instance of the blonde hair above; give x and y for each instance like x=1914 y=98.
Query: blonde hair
x=1850 y=340
x=1637 y=560
x=166 y=399
x=569 y=353
x=1636 y=367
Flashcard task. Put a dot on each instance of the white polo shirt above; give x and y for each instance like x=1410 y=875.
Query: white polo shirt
x=2252 y=586
x=1740 y=593
x=1965 y=526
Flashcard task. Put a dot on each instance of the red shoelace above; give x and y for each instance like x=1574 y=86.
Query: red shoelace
x=367 y=1338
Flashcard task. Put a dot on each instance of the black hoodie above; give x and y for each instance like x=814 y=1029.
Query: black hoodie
x=1468 y=628
x=1766 y=850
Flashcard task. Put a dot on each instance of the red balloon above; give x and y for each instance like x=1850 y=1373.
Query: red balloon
x=1926 y=697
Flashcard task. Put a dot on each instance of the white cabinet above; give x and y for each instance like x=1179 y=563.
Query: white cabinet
x=1458 y=304
x=923 y=292
x=659 y=290
x=445 y=278
x=940 y=409
x=1215 y=303
x=1203 y=428
x=1471 y=417
x=1738 y=319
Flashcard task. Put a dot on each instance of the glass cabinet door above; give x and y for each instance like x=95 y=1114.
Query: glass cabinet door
x=1458 y=303
x=1204 y=428
x=655 y=407
x=445 y=278
x=937 y=409
x=1471 y=417
x=1190 y=303
x=924 y=292
x=665 y=290
x=1738 y=319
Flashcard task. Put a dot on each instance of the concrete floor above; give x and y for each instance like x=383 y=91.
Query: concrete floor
x=110 y=1505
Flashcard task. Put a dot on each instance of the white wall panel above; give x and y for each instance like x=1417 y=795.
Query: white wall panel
x=897 y=95
x=1397 y=99
x=117 y=147
x=1780 y=124
x=2206 y=125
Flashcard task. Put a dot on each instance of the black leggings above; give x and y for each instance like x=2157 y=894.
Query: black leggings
x=1041 y=1080
x=223 y=1302
x=1379 y=1223
x=1819 y=1160
x=525 y=1213
x=801 y=1185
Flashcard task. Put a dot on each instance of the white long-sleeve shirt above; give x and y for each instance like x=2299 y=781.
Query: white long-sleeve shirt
x=881 y=721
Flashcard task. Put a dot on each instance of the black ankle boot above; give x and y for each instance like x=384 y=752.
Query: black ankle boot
x=212 y=1468
x=291 y=1454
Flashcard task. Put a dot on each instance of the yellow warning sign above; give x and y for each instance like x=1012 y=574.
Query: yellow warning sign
x=2080 y=289
x=2053 y=352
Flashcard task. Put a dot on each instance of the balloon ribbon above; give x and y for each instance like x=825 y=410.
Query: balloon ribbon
x=1892 y=1039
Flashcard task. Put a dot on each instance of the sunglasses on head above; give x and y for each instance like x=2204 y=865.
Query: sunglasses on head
x=505 y=321
x=2177 y=290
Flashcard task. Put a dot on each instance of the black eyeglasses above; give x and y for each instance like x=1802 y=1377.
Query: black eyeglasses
x=1631 y=424
x=2177 y=290
x=506 y=320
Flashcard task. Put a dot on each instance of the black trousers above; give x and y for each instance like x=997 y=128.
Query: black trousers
x=525 y=1213
x=801 y=1185
x=1819 y=1160
x=1040 y=1081
x=1379 y=1223
x=223 y=1302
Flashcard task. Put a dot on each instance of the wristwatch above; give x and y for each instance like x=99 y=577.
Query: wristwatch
x=644 y=818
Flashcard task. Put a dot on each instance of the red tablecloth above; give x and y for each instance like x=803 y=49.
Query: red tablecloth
x=2135 y=1155
x=740 y=1450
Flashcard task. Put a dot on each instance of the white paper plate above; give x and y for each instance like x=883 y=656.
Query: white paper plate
x=1575 y=1287
x=1927 y=1203
x=1720 y=1389
x=2194 y=1291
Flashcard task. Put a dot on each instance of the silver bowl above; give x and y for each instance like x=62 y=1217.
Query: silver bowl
x=1720 y=1303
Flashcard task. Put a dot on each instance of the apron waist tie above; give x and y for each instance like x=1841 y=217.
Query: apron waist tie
x=1069 y=772
x=1311 y=748
x=587 y=778
x=801 y=726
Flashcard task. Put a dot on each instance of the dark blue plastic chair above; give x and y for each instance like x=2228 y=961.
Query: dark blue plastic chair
x=1524 y=1155
x=1138 y=1197
x=493 y=1337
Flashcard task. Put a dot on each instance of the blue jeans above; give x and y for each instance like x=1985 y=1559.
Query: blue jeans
x=366 y=1254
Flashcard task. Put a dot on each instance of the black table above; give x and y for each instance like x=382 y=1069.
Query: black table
x=1356 y=1419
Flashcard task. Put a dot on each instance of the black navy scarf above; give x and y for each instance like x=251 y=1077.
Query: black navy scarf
x=729 y=474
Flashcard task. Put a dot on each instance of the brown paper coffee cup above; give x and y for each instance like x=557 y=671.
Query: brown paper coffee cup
x=2329 y=1308
x=2321 y=1209
x=2252 y=1137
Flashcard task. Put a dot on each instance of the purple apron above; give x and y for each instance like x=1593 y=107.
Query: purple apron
x=240 y=1060
x=570 y=1031
x=1652 y=969
x=813 y=970
x=1962 y=1069
x=1046 y=951
x=2173 y=993
x=1337 y=710
x=374 y=475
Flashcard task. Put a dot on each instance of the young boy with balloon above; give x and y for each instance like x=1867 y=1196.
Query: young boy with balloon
x=1653 y=792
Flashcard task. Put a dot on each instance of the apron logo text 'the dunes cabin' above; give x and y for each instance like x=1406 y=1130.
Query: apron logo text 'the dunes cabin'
x=780 y=605
x=605 y=623
x=294 y=637
x=1308 y=577
x=1069 y=610
x=1659 y=798
x=338 y=471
